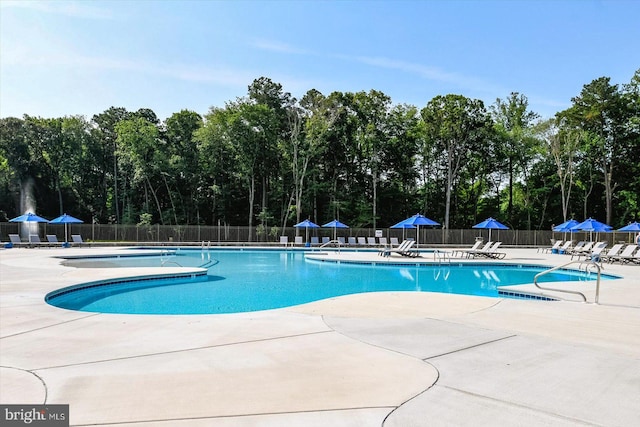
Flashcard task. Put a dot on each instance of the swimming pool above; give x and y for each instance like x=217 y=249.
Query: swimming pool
x=251 y=280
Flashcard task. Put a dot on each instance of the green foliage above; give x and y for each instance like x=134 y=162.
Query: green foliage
x=356 y=156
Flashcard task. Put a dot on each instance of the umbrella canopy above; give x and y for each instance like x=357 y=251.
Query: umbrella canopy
x=306 y=224
x=404 y=226
x=66 y=219
x=592 y=225
x=29 y=217
x=633 y=227
x=335 y=224
x=491 y=224
x=566 y=226
x=416 y=221
x=419 y=220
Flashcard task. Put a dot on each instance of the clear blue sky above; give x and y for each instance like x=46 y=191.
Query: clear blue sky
x=81 y=57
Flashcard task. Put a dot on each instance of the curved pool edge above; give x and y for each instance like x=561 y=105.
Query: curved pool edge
x=190 y=275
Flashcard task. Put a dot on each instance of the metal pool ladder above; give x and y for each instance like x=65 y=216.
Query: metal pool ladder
x=588 y=266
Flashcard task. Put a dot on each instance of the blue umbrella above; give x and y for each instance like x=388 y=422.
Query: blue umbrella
x=307 y=225
x=404 y=226
x=66 y=219
x=417 y=220
x=491 y=224
x=592 y=225
x=633 y=227
x=335 y=224
x=29 y=217
x=566 y=226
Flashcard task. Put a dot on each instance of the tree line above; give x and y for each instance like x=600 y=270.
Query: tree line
x=269 y=160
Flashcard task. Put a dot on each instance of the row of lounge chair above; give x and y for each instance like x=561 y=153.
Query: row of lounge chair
x=406 y=249
x=350 y=241
x=52 y=241
x=622 y=253
x=486 y=250
x=597 y=251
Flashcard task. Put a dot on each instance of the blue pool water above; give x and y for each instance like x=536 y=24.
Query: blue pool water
x=250 y=280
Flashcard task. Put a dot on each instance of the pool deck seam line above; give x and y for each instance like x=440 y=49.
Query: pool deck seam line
x=236 y=416
x=470 y=347
x=435 y=368
x=50 y=326
x=517 y=405
x=184 y=350
x=30 y=372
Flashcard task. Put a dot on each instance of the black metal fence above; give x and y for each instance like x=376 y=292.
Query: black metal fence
x=226 y=234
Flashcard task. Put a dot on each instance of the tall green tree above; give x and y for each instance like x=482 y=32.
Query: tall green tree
x=458 y=127
x=138 y=151
x=104 y=132
x=599 y=110
x=183 y=157
x=563 y=148
x=371 y=110
x=516 y=144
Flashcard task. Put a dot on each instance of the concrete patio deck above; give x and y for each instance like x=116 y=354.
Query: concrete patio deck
x=377 y=359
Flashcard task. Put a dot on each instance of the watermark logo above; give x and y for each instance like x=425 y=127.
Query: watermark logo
x=34 y=415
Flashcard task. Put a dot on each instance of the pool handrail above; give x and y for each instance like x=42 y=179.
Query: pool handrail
x=590 y=263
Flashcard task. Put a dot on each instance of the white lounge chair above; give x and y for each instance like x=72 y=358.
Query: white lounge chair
x=594 y=253
x=351 y=241
x=52 y=240
x=556 y=246
x=580 y=248
x=491 y=252
x=315 y=241
x=362 y=241
x=34 y=241
x=614 y=251
x=625 y=256
x=76 y=238
x=565 y=247
x=461 y=252
x=16 y=240
x=371 y=241
x=405 y=249
x=284 y=240
x=470 y=252
x=393 y=241
x=299 y=241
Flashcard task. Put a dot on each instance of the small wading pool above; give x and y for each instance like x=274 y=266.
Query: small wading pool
x=251 y=280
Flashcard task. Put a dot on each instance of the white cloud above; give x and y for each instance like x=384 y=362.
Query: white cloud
x=275 y=46
x=430 y=73
x=423 y=71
